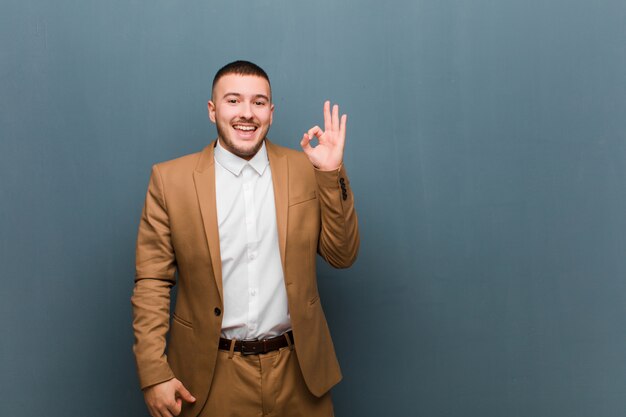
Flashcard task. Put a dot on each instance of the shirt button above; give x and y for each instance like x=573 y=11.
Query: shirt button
x=217 y=311
x=253 y=292
x=252 y=256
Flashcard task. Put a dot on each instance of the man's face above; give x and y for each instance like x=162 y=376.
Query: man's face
x=242 y=111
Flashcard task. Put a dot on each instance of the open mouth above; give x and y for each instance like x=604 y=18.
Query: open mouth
x=244 y=129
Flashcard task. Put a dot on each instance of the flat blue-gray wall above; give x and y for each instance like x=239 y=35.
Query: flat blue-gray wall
x=487 y=152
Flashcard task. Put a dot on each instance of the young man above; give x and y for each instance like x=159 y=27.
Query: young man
x=240 y=224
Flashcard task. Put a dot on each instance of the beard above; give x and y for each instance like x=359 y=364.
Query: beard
x=246 y=152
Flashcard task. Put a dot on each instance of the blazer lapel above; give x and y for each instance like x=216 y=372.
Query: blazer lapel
x=204 y=180
x=280 y=179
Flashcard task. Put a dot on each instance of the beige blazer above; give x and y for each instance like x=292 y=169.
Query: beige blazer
x=178 y=236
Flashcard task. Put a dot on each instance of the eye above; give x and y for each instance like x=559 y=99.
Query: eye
x=232 y=100
x=259 y=103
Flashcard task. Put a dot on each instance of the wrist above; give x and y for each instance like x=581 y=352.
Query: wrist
x=328 y=167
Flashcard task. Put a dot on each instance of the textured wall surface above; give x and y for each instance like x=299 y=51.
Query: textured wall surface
x=486 y=148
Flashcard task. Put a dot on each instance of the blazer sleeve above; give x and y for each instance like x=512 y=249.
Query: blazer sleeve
x=339 y=235
x=154 y=277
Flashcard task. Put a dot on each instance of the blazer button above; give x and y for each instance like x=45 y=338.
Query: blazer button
x=217 y=311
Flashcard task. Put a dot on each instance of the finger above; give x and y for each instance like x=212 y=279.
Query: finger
x=175 y=409
x=156 y=409
x=315 y=131
x=164 y=411
x=342 y=127
x=327 y=119
x=185 y=394
x=154 y=412
x=335 y=117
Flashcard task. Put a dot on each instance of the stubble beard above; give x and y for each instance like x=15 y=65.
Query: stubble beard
x=245 y=153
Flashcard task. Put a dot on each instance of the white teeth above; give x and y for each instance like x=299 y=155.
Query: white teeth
x=245 y=128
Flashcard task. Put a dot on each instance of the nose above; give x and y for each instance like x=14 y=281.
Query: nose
x=246 y=110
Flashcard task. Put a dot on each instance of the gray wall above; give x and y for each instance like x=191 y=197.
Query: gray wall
x=486 y=149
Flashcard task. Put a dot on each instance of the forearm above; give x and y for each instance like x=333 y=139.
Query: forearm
x=151 y=314
x=339 y=234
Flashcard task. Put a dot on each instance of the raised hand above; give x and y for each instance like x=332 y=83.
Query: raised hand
x=327 y=155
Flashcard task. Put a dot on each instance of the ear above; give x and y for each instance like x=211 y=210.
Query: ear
x=271 y=113
x=211 y=109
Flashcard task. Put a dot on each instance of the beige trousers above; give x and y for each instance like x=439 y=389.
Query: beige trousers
x=266 y=385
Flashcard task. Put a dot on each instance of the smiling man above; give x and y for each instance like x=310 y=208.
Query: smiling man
x=237 y=227
x=242 y=110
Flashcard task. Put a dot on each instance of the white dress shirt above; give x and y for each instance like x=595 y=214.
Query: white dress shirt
x=255 y=298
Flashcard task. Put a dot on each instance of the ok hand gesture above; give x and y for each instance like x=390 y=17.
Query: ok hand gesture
x=328 y=154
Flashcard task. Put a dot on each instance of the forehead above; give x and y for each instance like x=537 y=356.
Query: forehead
x=242 y=84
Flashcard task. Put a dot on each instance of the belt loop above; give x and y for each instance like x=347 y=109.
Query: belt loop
x=231 y=351
x=288 y=341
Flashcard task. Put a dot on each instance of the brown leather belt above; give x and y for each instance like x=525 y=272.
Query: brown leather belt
x=255 y=347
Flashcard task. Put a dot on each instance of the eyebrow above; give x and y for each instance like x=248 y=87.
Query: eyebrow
x=263 y=96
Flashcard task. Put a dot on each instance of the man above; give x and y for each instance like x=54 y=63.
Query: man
x=240 y=223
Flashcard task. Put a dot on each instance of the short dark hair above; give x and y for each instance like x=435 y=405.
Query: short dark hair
x=239 y=68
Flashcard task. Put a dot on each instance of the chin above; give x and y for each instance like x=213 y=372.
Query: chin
x=247 y=152
x=244 y=150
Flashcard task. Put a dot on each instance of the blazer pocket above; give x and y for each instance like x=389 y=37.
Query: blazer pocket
x=302 y=198
x=182 y=322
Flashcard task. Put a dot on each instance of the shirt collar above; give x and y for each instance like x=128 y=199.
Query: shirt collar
x=235 y=164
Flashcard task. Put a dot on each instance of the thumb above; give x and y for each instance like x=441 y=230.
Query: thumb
x=184 y=394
